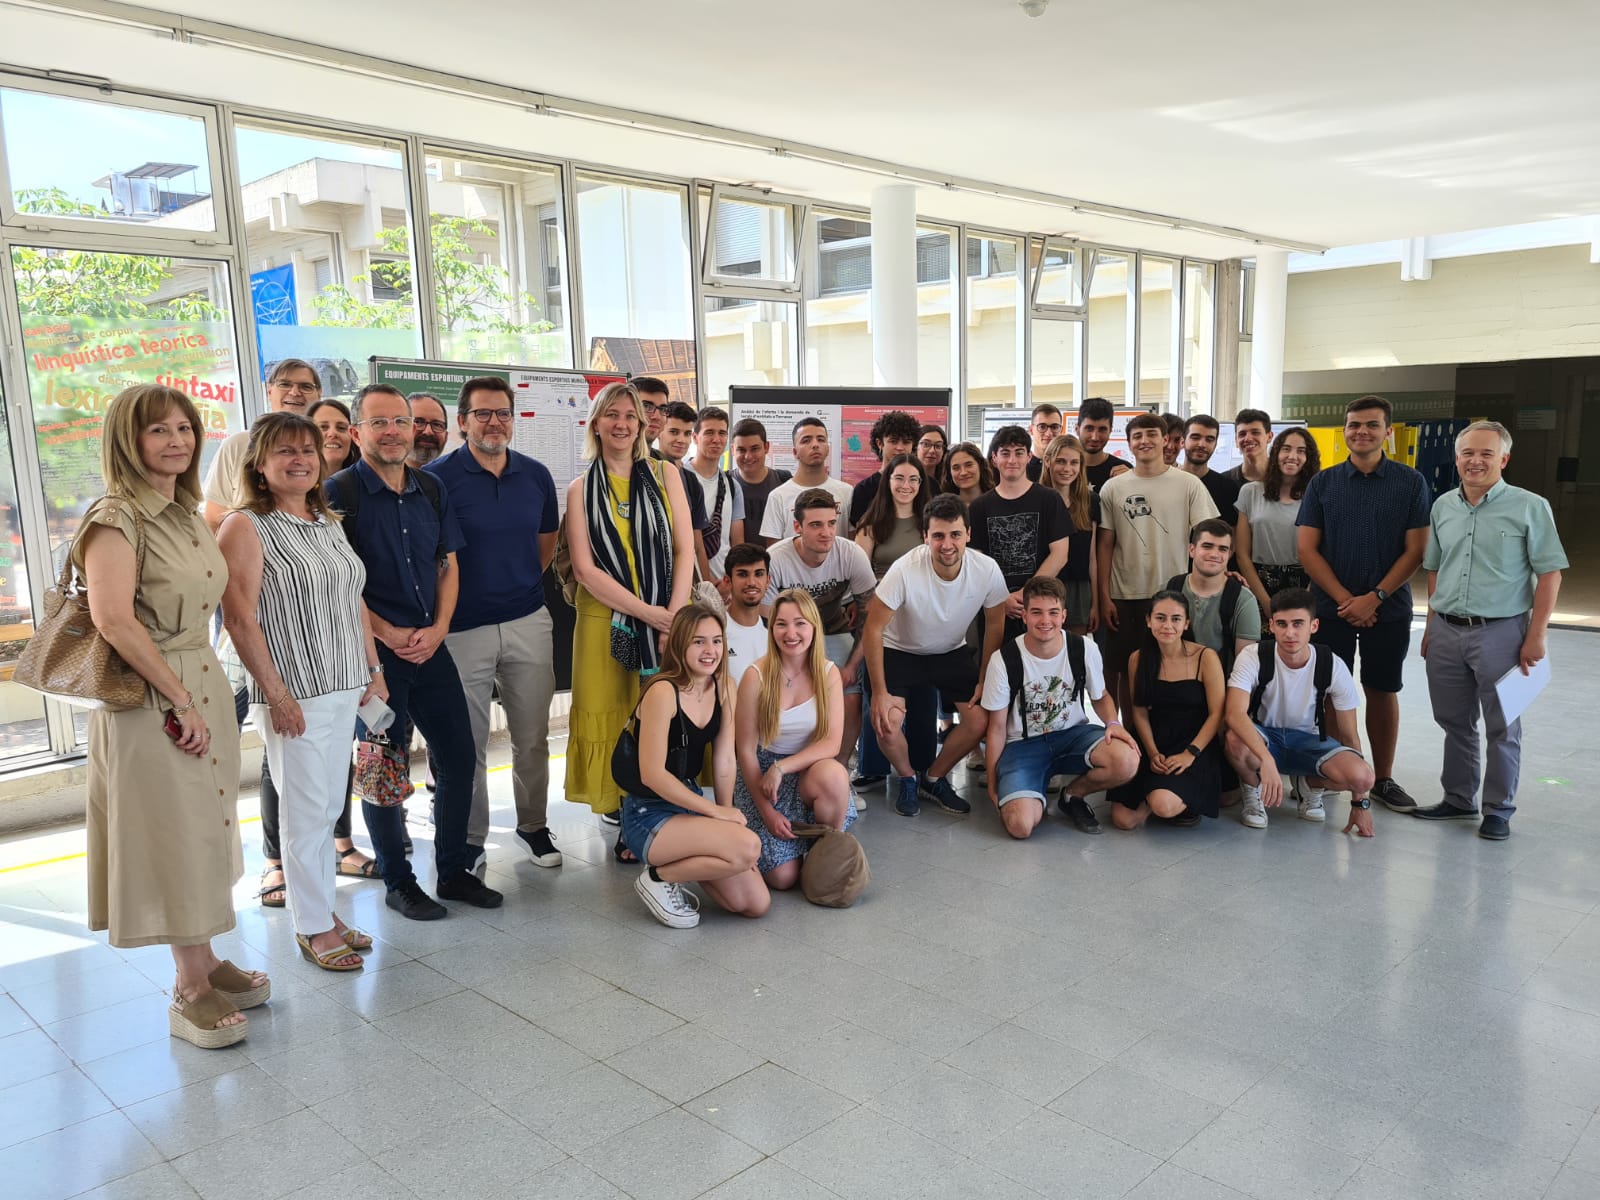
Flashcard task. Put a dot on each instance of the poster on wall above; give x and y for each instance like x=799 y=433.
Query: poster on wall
x=848 y=413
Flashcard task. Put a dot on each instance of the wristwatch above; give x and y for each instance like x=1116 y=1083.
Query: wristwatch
x=1364 y=802
x=1380 y=594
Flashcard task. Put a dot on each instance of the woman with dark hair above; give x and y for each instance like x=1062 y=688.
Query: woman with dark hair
x=627 y=527
x=967 y=472
x=1178 y=694
x=892 y=525
x=1064 y=461
x=163 y=829
x=293 y=608
x=339 y=449
x=683 y=834
x=932 y=444
x=1264 y=539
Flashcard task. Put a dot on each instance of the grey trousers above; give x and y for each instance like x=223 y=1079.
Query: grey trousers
x=517 y=656
x=1463 y=665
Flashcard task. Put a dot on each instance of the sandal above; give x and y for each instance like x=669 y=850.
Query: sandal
x=234 y=986
x=268 y=891
x=622 y=854
x=367 y=868
x=353 y=938
x=328 y=960
x=198 y=1021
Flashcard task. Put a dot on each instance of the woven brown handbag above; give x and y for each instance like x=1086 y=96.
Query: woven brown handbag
x=68 y=659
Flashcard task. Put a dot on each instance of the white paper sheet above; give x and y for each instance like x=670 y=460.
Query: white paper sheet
x=1516 y=690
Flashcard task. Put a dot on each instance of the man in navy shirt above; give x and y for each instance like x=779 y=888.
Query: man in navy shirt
x=400 y=524
x=500 y=633
x=1363 y=529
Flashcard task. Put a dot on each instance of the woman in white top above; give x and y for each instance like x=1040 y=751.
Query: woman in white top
x=1264 y=538
x=787 y=732
x=294 y=611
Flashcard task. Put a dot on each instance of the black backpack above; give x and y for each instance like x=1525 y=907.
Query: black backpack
x=1322 y=678
x=1231 y=591
x=348 y=489
x=1011 y=656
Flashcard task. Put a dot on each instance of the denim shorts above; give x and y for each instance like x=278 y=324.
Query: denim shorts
x=838 y=647
x=1300 y=753
x=643 y=818
x=1026 y=766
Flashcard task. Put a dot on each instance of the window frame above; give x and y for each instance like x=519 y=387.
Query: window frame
x=758 y=287
x=1083 y=255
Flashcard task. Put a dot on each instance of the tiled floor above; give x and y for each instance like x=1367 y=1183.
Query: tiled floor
x=1201 y=1013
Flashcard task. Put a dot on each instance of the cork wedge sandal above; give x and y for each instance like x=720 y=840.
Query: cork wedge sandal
x=234 y=985
x=198 y=1021
x=328 y=960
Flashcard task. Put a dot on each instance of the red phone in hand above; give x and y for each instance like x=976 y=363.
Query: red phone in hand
x=172 y=726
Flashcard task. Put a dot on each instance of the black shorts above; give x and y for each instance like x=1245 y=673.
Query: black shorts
x=954 y=673
x=1383 y=649
x=1133 y=622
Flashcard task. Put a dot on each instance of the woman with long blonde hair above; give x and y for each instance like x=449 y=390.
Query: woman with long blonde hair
x=668 y=820
x=1064 y=460
x=788 y=731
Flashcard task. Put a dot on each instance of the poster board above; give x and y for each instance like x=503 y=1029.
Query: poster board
x=848 y=413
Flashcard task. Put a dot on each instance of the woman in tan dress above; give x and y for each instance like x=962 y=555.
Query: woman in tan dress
x=164 y=848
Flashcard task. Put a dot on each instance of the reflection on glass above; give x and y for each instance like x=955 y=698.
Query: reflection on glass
x=936 y=308
x=752 y=344
x=1199 y=334
x=838 y=333
x=1158 y=325
x=1057 y=348
x=1110 y=303
x=94 y=160
x=754 y=240
x=499 y=280
x=993 y=310
x=328 y=241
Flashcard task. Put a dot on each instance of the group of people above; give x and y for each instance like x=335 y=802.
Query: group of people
x=742 y=636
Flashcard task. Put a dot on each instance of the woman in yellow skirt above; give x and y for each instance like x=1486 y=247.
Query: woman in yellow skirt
x=634 y=564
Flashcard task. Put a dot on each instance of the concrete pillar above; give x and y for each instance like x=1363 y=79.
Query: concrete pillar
x=1266 y=331
x=894 y=285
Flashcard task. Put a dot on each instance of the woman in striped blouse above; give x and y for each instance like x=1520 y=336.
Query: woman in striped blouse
x=293 y=608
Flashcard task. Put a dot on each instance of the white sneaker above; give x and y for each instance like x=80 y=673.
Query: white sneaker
x=667 y=902
x=1311 y=805
x=1253 y=813
x=858 y=800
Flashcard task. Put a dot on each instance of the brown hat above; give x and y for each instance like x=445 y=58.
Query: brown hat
x=835 y=870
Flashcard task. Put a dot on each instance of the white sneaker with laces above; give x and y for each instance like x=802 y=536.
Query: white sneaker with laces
x=1311 y=805
x=668 y=902
x=1252 y=812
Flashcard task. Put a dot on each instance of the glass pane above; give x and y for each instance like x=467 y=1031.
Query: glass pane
x=1158 y=317
x=1057 y=347
x=838 y=332
x=22 y=722
x=754 y=240
x=94 y=323
x=499 y=255
x=1109 y=305
x=749 y=343
x=1060 y=281
x=936 y=308
x=93 y=160
x=993 y=308
x=1199 y=334
x=635 y=264
x=328 y=242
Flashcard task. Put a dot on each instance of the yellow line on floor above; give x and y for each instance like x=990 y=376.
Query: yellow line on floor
x=62 y=858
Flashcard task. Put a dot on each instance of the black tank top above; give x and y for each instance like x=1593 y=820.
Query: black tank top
x=687 y=742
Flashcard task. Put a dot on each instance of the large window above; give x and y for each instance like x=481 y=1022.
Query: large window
x=1199 y=334
x=994 y=326
x=938 y=338
x=328 y=246
x=1111 y=315
x=634 y=265
x=751 y=343
x=22 y=720
x=1159 y=307
x=499 y=277
x=839 y=303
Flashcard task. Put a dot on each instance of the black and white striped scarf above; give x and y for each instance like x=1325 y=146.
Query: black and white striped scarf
x=651 y=536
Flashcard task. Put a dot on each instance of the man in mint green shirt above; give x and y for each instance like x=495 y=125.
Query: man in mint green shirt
x=1494 y=566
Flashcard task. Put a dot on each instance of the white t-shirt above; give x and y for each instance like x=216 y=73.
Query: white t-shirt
x=1290 y=701
x=932 y=614
x=732 y=508
x=746 y=644
x=1047 y=685
x=778 y=520
x=222 y=481
x=844 y=575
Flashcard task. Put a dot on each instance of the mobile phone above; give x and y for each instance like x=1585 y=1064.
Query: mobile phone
x=172 y=726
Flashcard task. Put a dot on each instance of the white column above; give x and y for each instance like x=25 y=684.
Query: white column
x=894 y=286
x=1266 y=331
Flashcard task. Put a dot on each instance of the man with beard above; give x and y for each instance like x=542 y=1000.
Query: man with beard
x=430 y=429
x=746 y=637
x=1094 y=431
x=1199 y=444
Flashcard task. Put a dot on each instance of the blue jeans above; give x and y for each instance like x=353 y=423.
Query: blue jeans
x=1298 y=752
x=1026 y=765
x=429 y=696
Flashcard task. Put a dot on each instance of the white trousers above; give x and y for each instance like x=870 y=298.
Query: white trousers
x=310 y=773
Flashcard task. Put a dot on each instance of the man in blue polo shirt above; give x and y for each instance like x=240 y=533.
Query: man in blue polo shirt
x=400 y=524
x=1363 y=528
x=500 y=633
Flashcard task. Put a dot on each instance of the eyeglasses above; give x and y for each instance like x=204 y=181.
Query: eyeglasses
x=379 y=424
x=930 y=444
x=436 y=426
x=484 y=415
x=303 y=389
x=650 y=408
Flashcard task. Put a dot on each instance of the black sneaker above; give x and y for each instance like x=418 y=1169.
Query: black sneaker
x=1187 y=819
x=1496 y=829
x=1444 y=811
x=1077 y=810
x=905 y=801
x=1393 y=797
x=612 y=818
x=469 y=888
x=942 y=794
x=540 y=848
x=414 y=904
